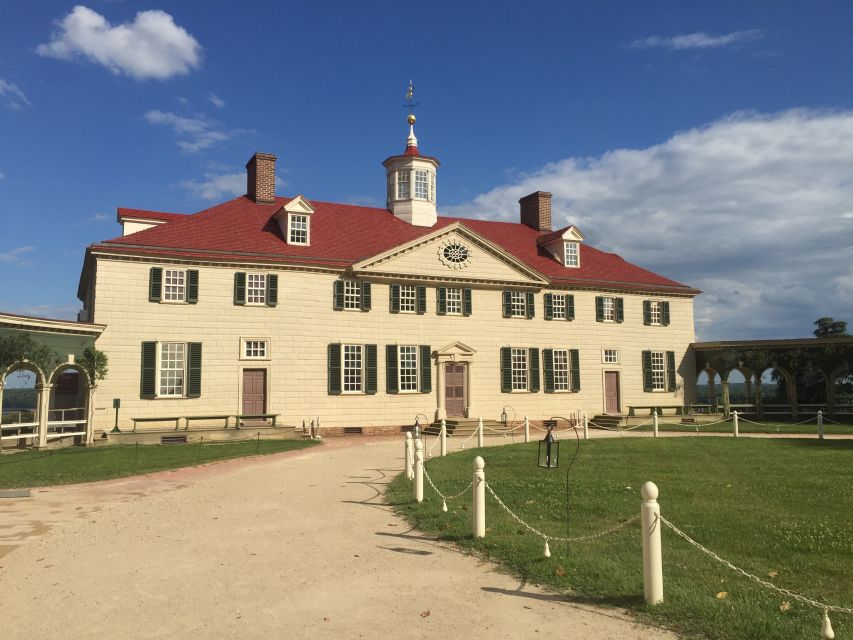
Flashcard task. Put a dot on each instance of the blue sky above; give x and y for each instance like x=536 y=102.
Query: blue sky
x=713 y=144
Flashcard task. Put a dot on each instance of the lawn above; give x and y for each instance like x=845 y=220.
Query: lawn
x=76 y=464
x=779 y=508
x=668 y=423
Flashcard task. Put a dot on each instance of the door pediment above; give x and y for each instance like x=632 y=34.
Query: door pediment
x=455 y=352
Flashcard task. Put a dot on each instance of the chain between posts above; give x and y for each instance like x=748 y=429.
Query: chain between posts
x=440 y=494
x=769 y=585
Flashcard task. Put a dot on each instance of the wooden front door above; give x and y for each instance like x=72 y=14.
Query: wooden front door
x=611 y=391
x=254 y=391
x=454 y=389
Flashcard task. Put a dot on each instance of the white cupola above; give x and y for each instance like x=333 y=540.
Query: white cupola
x=410 y=180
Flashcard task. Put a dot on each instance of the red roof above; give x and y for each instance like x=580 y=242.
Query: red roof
x=343 y=234
x=123 y=213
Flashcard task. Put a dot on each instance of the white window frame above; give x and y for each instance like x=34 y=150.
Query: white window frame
x=655 y=313
x=403 y=179
x=182 y=370
x=572 y=254
x=562 y=371
x=357 y=378
x=432 y=186
x=407 y=382
x=608 y=309
x=517 y=304
x=453 y=301
x=293 y=223
x=246 y=345
x=421 y=184
x=607 y=359
x=352 y=295
x=520 y=369
x=658 y=370
x=179 y=288
x=408 y=298
x=256 y=289
x=559 y=310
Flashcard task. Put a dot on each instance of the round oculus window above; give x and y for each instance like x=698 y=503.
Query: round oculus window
x=455 y=253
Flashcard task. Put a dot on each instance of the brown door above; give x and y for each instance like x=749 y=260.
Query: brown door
x=454 y=389
x=611 y=391
x=254 y=391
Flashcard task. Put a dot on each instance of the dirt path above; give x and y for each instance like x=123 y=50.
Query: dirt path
x=295 y=545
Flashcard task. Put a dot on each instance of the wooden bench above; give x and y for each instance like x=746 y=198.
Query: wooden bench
x=241 y=419
x=136 y=421
x=632 y=409
x=227 y=419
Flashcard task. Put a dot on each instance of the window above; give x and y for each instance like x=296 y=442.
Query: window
x=421 y=184
x=402 y=185
x=298 y=229
x=609 y=309
x=352 y=369
x=558 y=300
x=408 y=298
x=352 y=295
x=518 y=302
x=454 y=301
x=519 y=369
x=255 y=349
x=174 y=285
x=654 y=312
x=572 y=254
x=610 y=356
x=172 y=366
x=256 y=288
x=658 y=371
x=561 y=369
x=408 y=368
x=431 y=186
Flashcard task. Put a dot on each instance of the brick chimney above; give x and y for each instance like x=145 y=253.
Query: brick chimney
x=260 y=177
x=536 y=210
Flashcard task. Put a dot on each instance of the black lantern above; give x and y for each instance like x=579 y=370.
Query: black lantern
x=549 y=448
x=503 y=416
x=417 y=429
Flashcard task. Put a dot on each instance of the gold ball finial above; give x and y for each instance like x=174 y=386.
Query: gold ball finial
x=412 y=118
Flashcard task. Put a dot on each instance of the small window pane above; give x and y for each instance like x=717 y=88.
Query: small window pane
x=172 y=359
x=561 y=370
x=655 y=311
x=572 y=255
x=408 y=298
x=611 y=356
x=408 y=368
x=421 y=184
x=173 y=285
x=352 y=295
x=519 y=304
x=402 y=185
x=519 y=369
x=298 y=229
x=558 y=306
x=256 y=288
x=609 y=309
x=454 y=301
x=658 y=371
x=352 y=367
x=255 y=349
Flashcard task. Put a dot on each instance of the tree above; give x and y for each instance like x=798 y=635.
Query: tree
x=827 y=328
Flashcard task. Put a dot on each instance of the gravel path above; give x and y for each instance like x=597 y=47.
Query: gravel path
x=294 y=545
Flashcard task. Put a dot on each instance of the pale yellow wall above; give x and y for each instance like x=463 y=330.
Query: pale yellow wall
x=304 y=323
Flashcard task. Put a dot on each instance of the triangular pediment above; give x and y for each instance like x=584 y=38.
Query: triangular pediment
x=455 y=350
x=451 y=253
x=299 y=204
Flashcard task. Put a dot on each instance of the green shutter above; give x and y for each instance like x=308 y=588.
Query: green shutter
x=334 y=363
x=670 y=370
x=506 y=370
x=575 y=360
x=648 y=385
x=647 y=312
x=549 y=315
x=599 y=309
x=507 y=304
x=365 y=296
x=441 y=300
x=394 y=290
x=192 y=286
x=467 y=305
x=531 y=306
x=425 y=362
x=155 y=284
x=548 y=368
x=148 y=379
x=570 y=307
x=370 y=368
x=391 y=369
x=272 y=290
x=620 y=310
x=664 y=313
x=421 y=300
x=193 y=369
x=338 y=297
x=534 y=369
x=239 y=287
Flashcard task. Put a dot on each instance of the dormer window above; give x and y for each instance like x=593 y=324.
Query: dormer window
x=572 y=254
x=294 y=220
x=297 y=228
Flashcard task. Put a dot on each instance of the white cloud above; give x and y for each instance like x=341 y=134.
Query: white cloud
x=698 y=40
x=2 y=175
x=98 y=217
x=16 y=254
x=195 y=133
x=753 y=209
x=152 y=46
x=12 y=95
x=216 y=186
x=215 y=100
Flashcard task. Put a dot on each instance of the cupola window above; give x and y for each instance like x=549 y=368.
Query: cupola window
x=402 y=185
x=421 y=184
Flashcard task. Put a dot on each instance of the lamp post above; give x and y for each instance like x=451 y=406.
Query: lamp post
x=549 y=448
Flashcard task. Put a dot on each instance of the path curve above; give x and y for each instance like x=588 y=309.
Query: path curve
x=294 y=545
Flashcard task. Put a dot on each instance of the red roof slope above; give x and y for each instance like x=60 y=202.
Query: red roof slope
x=343 y=234
x=123 y=213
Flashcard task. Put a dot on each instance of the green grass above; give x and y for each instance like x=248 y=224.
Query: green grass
x=780 y=505
x=671 y=424
x=75 y=464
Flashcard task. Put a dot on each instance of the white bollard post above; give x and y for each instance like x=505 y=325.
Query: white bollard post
x=655 y=420
x=820 y=425
x=735 y=424
x=650 y=531
x=526 y=430
x=478 y=512
x=443 y=445
x=480 y=432
x=419 y=470
x=585 y=427
x=410 y=457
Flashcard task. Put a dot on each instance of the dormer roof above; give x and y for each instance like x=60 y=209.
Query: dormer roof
x=570 y=233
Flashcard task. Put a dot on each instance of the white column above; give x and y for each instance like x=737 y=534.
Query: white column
x=478 y=512
x=650 y=530
x=526 y=430
x=655 y=420
x=43 y=392
x=419 y=470
x=469 y=407
x=585 y=427
x=480 y=432
x=735 y=424
x=409 y=454
x=443 y=438
x=440 y=411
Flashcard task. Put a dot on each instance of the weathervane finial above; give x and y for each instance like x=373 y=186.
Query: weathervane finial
x=410 y=103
